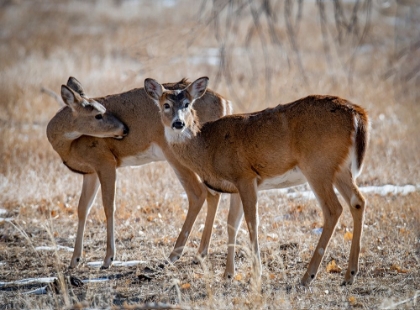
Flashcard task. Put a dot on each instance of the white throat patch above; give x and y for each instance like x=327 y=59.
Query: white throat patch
x=73 y=135
x=177 y=136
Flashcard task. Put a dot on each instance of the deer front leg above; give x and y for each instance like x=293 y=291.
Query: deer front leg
x=196 y=193
x=107 y=178
x=87 y=197
x=212 y=204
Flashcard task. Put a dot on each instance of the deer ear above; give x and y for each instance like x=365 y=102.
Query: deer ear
x=153 y=89
x=69 y=97
x=74 y=84
x=198 y=87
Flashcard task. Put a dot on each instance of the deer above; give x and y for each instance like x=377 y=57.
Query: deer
x=320 y=140
x=95 y=136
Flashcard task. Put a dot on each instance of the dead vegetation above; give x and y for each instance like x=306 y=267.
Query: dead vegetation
x=257 y=53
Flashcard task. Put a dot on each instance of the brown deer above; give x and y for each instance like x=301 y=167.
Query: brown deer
x=88 y=136
x=321 y=140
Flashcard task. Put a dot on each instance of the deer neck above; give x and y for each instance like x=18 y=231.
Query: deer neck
x=186 y=145
x=61 y=134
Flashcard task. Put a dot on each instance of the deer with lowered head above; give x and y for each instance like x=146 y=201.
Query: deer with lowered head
x=96 y=136
x=320 y=140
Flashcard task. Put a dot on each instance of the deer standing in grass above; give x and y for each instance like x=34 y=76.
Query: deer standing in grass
x=318 y=139
x=94 y=137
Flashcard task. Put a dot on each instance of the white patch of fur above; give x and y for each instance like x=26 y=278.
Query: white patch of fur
x=177 y=136
x=99 y=107
x=72 y=135
x=353 y=153
x=354 y=201
x=351 y=160
x=292 y=177
x=153 y=153
x=229 y=108
x=223 y=102
x=213 y=192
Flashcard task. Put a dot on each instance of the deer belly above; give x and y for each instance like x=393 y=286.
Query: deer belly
x=153 y=153
x=292 y=177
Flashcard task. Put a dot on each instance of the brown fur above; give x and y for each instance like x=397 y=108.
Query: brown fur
x=239 y=153
x=98 y=158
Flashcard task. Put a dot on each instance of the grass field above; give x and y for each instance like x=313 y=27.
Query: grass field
x=257 y=59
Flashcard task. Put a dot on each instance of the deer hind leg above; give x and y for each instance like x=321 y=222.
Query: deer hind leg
x=248 y=192
x=236 y=213
x=87 y=197
x=332 y=209
x=212 y=204
x=107 y=177
x=348 y=189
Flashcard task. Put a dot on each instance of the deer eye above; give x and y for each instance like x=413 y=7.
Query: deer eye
x=98 y=116
x=166 y=106
x=186 y=105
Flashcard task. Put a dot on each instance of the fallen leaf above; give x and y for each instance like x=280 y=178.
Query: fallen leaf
x=403 y=230
x=348 y=236
x=398 y=268
x=238 y=277
x=186 y=286
x=332 y=267
x=352 y=300
x=272 y=276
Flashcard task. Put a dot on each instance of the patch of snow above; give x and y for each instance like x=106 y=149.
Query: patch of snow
x=96 y=280
x=29 y=281
x=3 y=211
x=389 y=190
x=51 y=248
x=117 y=263
x=6 y=219
x=382 y=190
x=38 y=291
x=97 y=264
x=317 y=231
x=2 y=263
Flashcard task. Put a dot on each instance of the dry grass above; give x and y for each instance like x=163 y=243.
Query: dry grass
x=111 y=46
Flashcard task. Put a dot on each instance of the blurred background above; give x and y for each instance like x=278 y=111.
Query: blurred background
x=257 y=53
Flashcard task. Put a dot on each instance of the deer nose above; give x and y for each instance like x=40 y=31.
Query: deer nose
x=178 y=124
x=125 y=131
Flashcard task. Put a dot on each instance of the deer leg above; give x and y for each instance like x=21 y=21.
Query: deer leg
x=248 y=192
x=87 y=197
x=108 y=178
x=332 y=210
x=212 y=204
x=196 y=193
x=351 y=194
x=236 y=213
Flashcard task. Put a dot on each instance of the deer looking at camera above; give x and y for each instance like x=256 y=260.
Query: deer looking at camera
x=318 y=139
x=94 y=137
